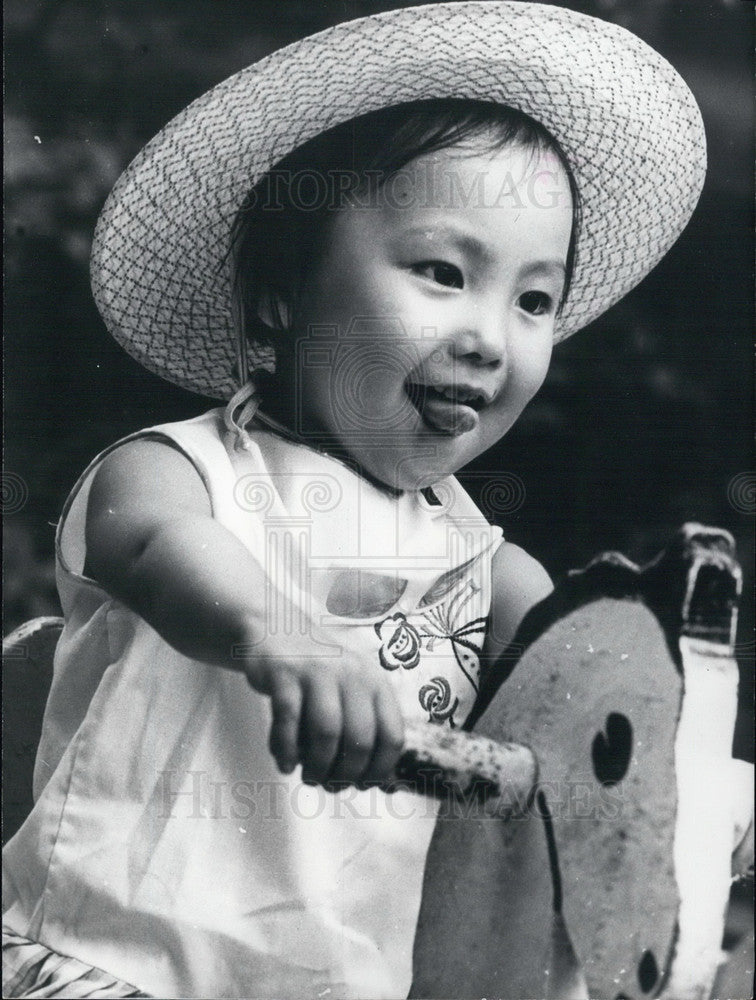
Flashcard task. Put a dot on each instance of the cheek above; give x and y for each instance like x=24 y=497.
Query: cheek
x=527 y=371
x=357 y=284
x=361 y=388
x=531 y=364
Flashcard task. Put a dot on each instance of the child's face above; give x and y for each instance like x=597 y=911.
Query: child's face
x=426 y=325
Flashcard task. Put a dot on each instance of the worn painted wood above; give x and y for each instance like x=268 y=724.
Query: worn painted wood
x=591 y=875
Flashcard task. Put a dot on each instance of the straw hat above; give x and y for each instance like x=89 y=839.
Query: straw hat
x=628 y=124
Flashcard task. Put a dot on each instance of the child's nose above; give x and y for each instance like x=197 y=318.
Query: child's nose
x=483 y=340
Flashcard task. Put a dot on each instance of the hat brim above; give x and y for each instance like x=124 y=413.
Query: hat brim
x=628 y=124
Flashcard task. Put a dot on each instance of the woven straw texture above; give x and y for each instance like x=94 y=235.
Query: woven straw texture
x=628 y=123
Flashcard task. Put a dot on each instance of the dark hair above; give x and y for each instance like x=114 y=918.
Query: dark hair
x=280 y=228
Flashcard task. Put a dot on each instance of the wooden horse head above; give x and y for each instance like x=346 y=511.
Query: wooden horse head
x=614 y=880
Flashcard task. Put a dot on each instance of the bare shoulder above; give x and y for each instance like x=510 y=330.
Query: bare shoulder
x=518 y=582
x=138 y=486
x=145 y=473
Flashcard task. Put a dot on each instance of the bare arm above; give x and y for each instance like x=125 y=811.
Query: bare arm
x=518 y=582
x=152 y=543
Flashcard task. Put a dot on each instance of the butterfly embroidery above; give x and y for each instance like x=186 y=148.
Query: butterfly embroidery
x=466 y=638
x=447 y=626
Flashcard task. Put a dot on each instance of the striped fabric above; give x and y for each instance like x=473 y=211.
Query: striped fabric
x=32 y=970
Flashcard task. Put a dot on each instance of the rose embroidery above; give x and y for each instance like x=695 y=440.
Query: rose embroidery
x=435 y=698
x=400 y=643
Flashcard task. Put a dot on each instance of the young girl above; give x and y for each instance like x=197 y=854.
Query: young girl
x=366 y=245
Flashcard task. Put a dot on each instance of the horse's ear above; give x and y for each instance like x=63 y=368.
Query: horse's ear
x=626 y=692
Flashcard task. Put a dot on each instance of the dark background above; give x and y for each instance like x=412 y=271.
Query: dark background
x=644 y=422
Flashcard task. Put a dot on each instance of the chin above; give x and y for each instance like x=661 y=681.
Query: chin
x=418 y=472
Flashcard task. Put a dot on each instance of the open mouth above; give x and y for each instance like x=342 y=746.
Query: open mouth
x=450 y=410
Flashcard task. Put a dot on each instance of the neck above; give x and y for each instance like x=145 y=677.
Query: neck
x=277 y=410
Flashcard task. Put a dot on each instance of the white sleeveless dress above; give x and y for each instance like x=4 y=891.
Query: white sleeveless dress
x=164 y=846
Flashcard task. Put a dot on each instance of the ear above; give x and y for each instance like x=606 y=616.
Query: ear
x=274 y=310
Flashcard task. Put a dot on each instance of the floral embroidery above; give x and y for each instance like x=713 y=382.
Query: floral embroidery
x=449 y=631
x=400 y=643
x=435 y=698
x=447 y=622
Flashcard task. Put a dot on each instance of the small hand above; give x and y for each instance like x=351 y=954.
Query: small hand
x=333 y=716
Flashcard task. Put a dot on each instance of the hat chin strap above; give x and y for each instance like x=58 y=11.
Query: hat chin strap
x=245 y=402
x=241 y=408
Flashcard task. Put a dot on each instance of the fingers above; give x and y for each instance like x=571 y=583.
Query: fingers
x=372 y=742
x=389 y=739
x=342 y=730
x=357 y=737
x=320 y=729
x=286 y=702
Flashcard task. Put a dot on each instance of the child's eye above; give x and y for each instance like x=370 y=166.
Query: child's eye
x=440 y=272
x=535 y=303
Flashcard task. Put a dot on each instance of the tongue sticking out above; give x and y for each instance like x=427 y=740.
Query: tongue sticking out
x=445 y=415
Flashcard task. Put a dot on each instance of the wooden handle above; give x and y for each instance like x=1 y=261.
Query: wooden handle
x=457 y=765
